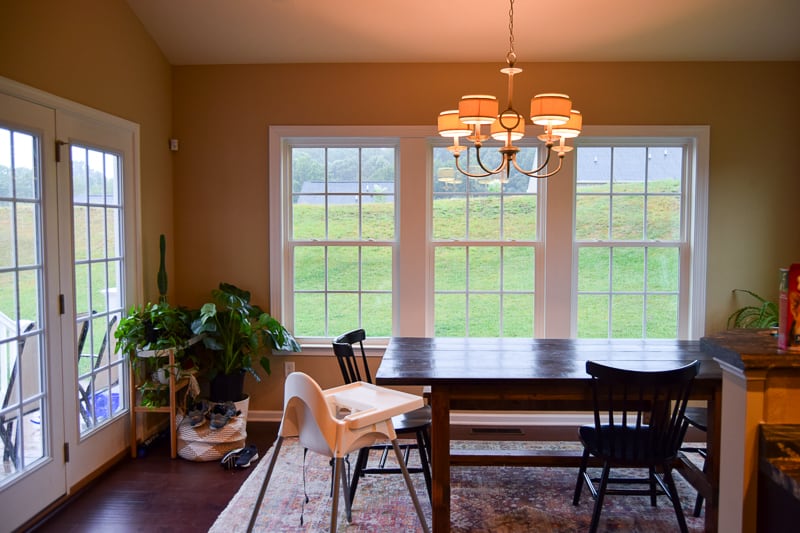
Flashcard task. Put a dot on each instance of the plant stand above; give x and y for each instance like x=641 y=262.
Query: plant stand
x=174 y=385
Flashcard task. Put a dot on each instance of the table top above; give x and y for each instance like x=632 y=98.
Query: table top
x=449 y=360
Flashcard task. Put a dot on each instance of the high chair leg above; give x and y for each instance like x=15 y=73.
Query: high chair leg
x=261 y=493
x=410 y=486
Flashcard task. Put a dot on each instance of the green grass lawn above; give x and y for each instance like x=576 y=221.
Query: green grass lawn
x=622 y=292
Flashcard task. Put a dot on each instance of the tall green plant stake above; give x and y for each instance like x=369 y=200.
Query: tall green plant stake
x=162 y=271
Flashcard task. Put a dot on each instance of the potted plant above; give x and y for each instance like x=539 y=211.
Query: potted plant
x=145 y=334
x=763 y=315
x=238 y=332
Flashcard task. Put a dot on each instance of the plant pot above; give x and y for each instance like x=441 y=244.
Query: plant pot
x=162 y=375
x=228 y=387
x=243 y=406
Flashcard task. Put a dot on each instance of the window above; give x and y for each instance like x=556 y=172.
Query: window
x=485 y=238
x=634 y=237
x=342 y=238
x=628 y=233
x=370 y=229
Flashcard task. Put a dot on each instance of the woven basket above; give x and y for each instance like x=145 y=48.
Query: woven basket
x=205 y=444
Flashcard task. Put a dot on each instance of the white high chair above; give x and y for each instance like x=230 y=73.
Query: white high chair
x=365 y=414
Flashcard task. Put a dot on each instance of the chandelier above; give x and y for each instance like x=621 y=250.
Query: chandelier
x=553 y=111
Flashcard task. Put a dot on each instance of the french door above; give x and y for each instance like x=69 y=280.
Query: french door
x=68 y=263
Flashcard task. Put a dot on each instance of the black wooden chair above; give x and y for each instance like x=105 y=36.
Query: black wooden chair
x=415 y=423
x=698 y=418
x=638 y=423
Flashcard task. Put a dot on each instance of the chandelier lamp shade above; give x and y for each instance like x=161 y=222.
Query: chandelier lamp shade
x=479 y=118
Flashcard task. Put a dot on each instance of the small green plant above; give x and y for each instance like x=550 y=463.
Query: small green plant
x=763 y=315
x=154 y=327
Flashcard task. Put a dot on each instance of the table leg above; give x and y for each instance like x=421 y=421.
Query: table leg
x=713 y=446
x=440 y=458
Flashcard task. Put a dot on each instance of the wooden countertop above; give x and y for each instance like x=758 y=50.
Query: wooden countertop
x=749 y=349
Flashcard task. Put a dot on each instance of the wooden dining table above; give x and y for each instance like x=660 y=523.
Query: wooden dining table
x=505 y=374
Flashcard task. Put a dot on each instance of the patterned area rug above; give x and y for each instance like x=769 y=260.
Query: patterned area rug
x=483 y=499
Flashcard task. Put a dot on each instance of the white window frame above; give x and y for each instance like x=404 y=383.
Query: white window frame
x=556 y=269
x=411 y=194
x=694 y=216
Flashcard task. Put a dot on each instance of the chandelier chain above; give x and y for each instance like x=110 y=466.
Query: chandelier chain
x=475 y=111
x=511 y=58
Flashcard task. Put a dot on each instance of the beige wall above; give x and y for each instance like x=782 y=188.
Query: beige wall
x=97 y=53
x=222 y=115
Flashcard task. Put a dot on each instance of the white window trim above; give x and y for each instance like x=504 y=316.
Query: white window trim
x=411 y=193
x=695 y=211
x=414 y=304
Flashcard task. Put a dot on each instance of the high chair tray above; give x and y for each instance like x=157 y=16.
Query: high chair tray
x=362 y=404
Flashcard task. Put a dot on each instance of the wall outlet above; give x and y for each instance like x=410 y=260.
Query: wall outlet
x=288 y=368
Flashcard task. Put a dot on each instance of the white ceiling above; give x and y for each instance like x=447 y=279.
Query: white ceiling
x=196 y=32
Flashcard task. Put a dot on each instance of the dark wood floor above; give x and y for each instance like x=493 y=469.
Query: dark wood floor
x=157 y=494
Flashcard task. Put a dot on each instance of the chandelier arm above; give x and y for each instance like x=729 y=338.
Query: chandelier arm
x=534 y=171
x=535 y=174
x=467 y=173
x=500 y=167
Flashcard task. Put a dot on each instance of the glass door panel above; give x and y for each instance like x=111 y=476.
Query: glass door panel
x=23 y=395
x=97 y=215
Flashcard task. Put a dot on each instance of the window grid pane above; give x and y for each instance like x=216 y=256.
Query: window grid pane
x=22 y=350
x=97 y=234
x=628 y=210
x=342 y=236
x=491 y=273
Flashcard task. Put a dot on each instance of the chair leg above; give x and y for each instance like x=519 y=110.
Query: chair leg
x=598 y=503
x=9 y=446
x=652 y=479
x=345 y=489
x=676 y=502
x=84 y=405
x=264 y=484
x=698 y=503
x=579 y=485
x=426 y=436
x=424 y=462
x=358 y=471
x=332 y=474
x=410 y=486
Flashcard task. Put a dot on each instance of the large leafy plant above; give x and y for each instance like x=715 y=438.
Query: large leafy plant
x=763 y=315
x=238 y=332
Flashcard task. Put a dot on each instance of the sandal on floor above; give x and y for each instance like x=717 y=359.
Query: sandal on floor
x=197 y=414
x=221 y=413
